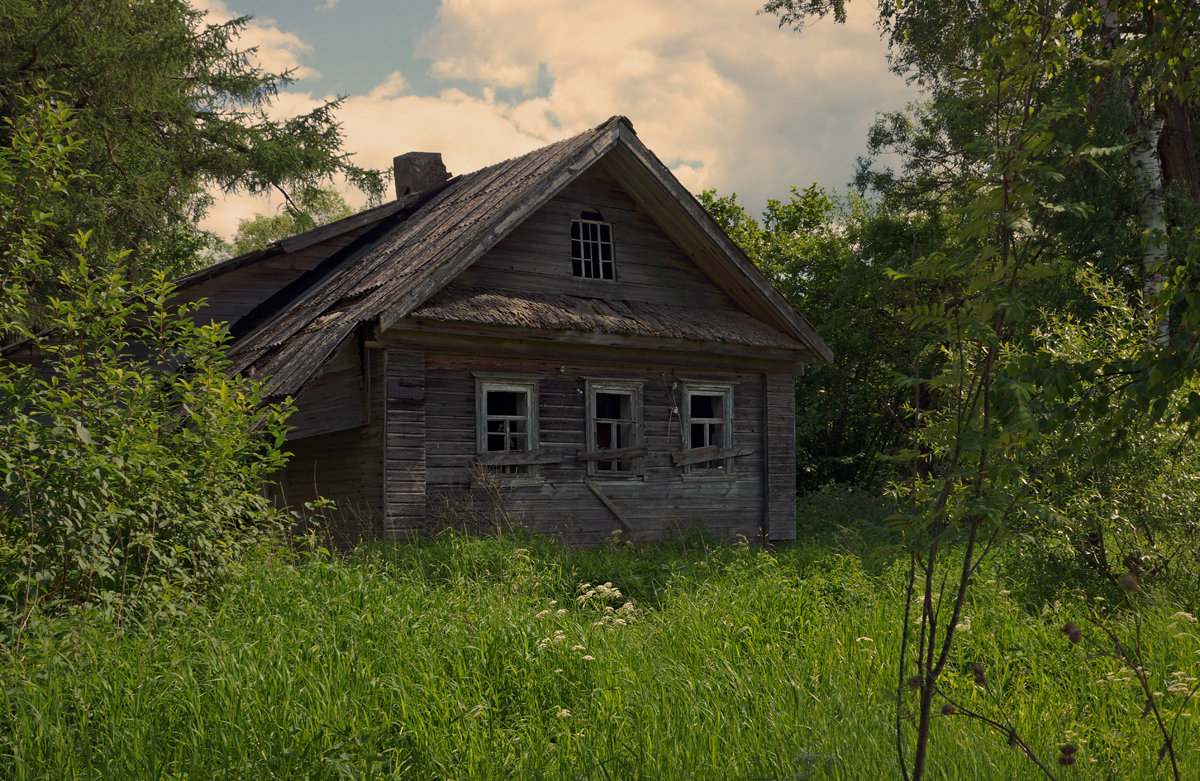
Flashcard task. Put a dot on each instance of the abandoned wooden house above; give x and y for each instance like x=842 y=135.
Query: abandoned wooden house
x=569 y=323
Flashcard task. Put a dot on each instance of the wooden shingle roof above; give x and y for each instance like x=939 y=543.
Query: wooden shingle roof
x=436 y=235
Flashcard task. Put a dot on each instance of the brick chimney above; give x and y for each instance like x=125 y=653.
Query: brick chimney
x=416 y=171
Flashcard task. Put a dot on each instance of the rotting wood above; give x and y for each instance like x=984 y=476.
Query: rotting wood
x=612 y=454
x=698 y=455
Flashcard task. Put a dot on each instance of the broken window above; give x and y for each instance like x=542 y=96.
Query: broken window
x=592 y=247
x=614 y=423
x=506 y=419
x=708 y=423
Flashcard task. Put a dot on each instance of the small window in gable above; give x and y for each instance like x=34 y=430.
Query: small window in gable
x=506 y=419
x=592 y=247
x=708 y=423
x=614 y=416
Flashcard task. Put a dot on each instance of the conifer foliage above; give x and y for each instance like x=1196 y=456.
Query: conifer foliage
x=172 y=108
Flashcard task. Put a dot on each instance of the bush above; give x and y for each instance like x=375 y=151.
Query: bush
x=130 y=461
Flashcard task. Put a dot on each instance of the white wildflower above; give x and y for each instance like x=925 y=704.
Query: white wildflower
x=564 y=714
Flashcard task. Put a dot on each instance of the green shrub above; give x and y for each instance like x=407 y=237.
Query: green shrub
x=130 y=461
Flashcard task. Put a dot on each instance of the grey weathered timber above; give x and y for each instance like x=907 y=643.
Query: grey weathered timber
x=698 y=455
x=404 y=442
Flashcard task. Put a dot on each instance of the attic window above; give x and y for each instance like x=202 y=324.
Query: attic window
x=592 y=247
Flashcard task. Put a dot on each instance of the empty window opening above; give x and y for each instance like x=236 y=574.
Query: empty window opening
x=507 y=422
x=709 y=423
x=592 y=247
x=614 y=423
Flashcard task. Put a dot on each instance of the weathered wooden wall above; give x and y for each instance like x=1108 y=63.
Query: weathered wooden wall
x=781 y=455
x=346 y=465
x=662 y=502
x=536 y=256
x=404 y=443
x=334 y=400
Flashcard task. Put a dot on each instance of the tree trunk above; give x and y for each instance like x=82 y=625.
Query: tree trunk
x=1177 y=149
x=1148 y=169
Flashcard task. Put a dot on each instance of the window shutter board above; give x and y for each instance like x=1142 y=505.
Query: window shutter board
x=612 y=453
x=698 y=455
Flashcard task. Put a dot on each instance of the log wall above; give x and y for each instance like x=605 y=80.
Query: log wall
x=560 y=501
x=345 y=466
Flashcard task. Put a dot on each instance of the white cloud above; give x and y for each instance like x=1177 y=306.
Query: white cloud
x=719 y=93
x=276 y=51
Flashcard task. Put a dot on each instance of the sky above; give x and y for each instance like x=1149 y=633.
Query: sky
x=722 y=95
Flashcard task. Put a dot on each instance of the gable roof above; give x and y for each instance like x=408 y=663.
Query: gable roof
x=434 y=236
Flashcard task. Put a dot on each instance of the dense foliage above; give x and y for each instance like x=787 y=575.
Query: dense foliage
x=171 y=108
x=130 y=461
x=831 y=258
x=1050 y=137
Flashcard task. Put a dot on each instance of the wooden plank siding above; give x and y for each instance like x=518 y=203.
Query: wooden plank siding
x=404 y=443
x=661 y=502
x=536 y=256
x=334 y=400
x=781 y=456
x=345 y=466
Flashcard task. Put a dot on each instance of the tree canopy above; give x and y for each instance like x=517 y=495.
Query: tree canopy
x=169 y=108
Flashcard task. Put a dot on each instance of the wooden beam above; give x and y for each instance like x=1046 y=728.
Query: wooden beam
x=698 y=455
x=566 y=345
x=612 y=454
x=612 y=507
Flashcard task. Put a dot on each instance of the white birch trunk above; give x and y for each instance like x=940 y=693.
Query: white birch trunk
x=1147 y=170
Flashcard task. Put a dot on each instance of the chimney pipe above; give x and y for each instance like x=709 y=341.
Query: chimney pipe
x=416 y=171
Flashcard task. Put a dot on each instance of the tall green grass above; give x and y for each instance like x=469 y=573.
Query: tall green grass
x=465 y=657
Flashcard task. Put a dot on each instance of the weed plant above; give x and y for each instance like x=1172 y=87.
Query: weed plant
x=514 y=657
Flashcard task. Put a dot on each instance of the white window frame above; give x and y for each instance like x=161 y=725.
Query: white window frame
x=633 y=389
x=528 y=387
x=587 y=239
x=725 y=391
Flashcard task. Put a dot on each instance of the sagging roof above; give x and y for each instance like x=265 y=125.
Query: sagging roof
x=437 y=235
x=555 y=312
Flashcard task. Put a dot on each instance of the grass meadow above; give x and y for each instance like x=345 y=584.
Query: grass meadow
x=512 y=657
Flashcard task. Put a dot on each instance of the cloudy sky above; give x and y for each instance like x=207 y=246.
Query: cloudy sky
x=722 y=96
